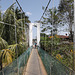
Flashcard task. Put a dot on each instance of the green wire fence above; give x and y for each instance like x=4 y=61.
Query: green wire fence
x=52 y=65
x=17 y=66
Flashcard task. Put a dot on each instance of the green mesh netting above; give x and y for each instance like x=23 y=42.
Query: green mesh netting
x=52 y=65
x=17 y=66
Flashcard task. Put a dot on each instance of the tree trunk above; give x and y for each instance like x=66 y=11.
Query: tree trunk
x=71 y=32
x=71 y=36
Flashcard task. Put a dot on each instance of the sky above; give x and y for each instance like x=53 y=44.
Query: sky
x=32 y=8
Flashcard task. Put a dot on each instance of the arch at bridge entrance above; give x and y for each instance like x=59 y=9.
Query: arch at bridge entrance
x=30 y=33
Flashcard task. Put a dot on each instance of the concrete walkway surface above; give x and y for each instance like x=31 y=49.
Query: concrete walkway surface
x=35 y=65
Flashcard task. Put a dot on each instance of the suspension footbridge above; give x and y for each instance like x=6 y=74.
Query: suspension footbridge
x=54 y=54
x=35 y=65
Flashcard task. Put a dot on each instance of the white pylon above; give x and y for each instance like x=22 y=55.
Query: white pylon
x=30 y=33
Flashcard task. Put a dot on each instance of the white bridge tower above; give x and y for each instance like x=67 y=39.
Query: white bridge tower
x=30 y=33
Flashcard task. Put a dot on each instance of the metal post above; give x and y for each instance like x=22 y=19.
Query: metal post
x=45 y=40
x=74 y=40
x=22 y=23
x=25 y=33
x=52 y=24
x=50 y=67
x=16 y=37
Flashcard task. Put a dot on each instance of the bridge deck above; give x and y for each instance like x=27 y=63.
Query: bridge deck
x=35 y=65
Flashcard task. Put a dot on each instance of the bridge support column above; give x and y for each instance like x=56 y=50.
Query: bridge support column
x=30 y=33
x=38 y=34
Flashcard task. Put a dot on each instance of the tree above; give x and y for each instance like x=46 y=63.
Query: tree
x=20 y=22
x=8 y=34
x=52 y=18
x=66 y=7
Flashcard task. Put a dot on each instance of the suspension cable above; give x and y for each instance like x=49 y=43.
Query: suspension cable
x=19 y=5
x=45 y=10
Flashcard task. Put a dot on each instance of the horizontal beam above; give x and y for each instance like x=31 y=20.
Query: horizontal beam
x=10 y=24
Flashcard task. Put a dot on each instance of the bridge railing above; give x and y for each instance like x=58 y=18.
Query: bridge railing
x=17 y=66
x=52 y=65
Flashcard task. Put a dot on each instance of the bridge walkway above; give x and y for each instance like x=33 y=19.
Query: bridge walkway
x=34 y=65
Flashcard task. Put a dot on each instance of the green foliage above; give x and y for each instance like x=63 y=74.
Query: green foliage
x=52 y=20
x=55 y=46
x=66 y=8
x=9 y=50
x=8 y=31
x=53 y=17
x=18 y=49
x=3 y=44
x=6 y=55
x=11 y=53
